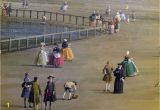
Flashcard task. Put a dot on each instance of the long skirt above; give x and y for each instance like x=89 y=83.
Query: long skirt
x=58 y=62
x=41 y=59
x=111 y=29
x=118 y=86
x=32 y=100
x=50 y=59
x=67 y=54
x=25 y=93
x=130 y=69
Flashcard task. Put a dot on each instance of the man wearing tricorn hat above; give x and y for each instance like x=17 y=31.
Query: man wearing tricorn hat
x=50 y=93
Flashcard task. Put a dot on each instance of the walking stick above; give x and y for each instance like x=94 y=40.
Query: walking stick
x=41 y=103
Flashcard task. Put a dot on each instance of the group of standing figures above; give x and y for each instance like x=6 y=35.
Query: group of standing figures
x=126 y=68
x=32 y=91
x=55 y=57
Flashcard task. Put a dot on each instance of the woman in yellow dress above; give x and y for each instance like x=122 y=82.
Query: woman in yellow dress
x=66 y=51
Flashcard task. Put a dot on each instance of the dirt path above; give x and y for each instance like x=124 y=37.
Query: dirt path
x=140 y=37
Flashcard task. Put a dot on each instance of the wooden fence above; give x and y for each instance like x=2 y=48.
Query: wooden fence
x=34 y=41
x=51 y=16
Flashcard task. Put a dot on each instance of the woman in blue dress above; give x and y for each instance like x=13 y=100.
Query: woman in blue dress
x=26 y=89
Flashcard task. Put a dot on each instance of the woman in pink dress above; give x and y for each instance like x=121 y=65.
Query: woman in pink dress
x=58 y=60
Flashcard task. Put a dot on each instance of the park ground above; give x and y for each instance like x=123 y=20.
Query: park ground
x=141 y=38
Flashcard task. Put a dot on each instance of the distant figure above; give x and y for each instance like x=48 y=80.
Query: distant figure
x=133 y=16
x=35 y=94
x=64 y=7
x=25 y=3
x=107 y=71
x=128 y=20
x=49 y=93
x=71 y=88
x=117 y=22
x=129 y=67
x=98 y=19
x=92 y=19
x=44 y=18
x=119 y=79
x=123 y=16
x=66 y=51
x=42 y=58
x=111 y=26
x=4 y=7
x=26 y=89
x=108 y=11
x=58 y=59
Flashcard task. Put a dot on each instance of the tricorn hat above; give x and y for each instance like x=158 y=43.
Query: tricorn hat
x=51 y=76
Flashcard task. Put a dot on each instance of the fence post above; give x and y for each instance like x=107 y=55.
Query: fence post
x=10 y=44
x=76 y=19
x=44 y=13
x=44 y=40
x=79 y=34
x=30 y=13
x=23 y=13
x=83 y=21
x=70 y=36
x=37 y=14
x=62 y=37
x=63 y=18
x=70 y=19
x=36 y=41
x=95 y=31
x=19 y=44
x=50 y=16
x=27 y=43
x=52 y=39
x=87 y=32
x=56 y=16
x=16 y=12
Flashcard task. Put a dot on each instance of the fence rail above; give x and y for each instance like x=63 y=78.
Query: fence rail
x=34 y=41
x=51 y=16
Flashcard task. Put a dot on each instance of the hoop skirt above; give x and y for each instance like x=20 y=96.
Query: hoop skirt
x=41 y=58
x=58 y=60
x=67 y=54
x=129 y=67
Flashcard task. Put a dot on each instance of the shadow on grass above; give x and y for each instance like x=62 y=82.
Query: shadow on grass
x=12 y=106
x=47 y=66
x=101 y=91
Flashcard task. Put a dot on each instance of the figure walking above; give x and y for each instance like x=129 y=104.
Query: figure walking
x=49 y=93
x=107 y=71
x=35 y=94
x=26 y=89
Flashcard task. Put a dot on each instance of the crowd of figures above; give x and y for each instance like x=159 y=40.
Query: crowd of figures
x=55 y=56
x=114 y=20
x=6 y=9
x=126 y=68
x=32 y=92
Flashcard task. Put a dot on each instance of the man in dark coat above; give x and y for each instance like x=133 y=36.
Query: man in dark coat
x=50 y=93
x=119 y=74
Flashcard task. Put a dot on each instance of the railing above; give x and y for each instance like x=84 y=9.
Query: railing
x=34 y=41
x=51 y=16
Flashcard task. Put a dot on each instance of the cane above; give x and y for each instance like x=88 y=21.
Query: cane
x=41 y=103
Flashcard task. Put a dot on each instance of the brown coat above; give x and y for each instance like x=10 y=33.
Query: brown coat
x=107 y=71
